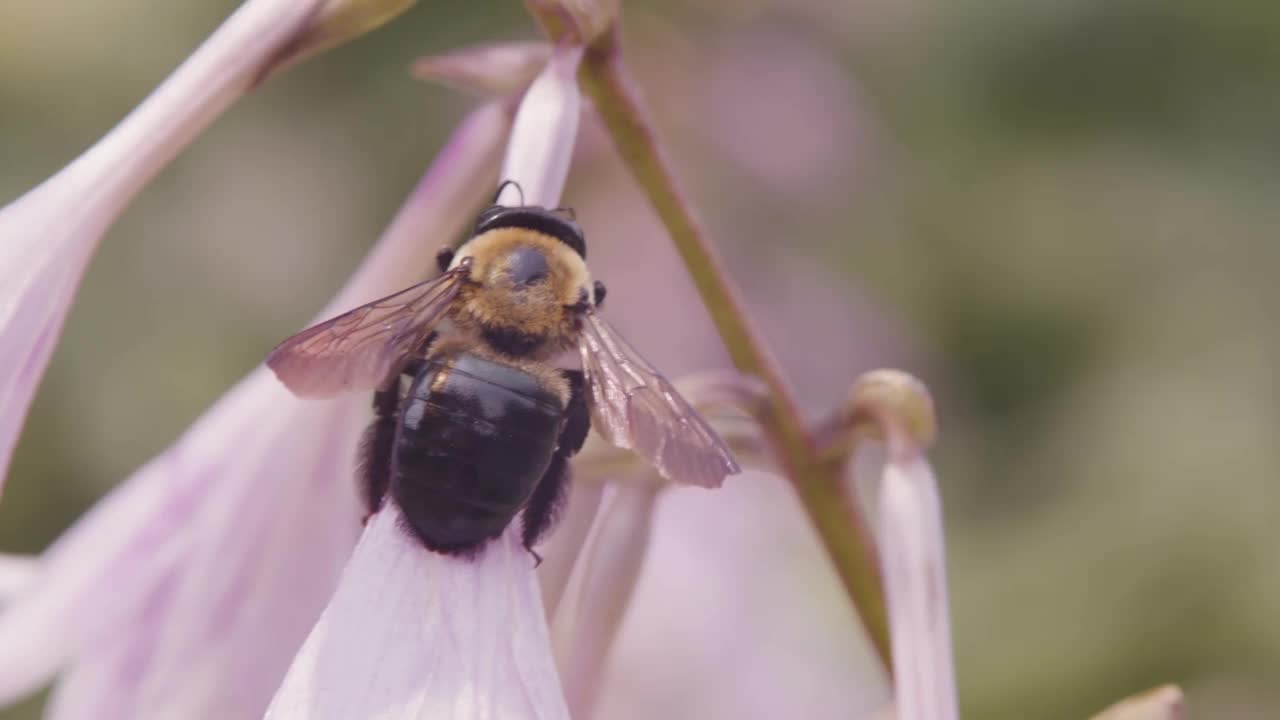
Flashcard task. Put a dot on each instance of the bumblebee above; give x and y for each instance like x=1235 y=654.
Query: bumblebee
x=487 y=425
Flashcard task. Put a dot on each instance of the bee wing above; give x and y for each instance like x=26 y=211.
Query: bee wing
x=360 y=349
x=635 y=407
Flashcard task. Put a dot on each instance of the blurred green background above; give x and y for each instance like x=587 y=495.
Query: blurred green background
x=1061 y=213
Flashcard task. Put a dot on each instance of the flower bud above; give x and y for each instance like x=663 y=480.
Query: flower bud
x=890 y=405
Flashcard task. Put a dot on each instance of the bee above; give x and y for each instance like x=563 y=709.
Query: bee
x=487 y=425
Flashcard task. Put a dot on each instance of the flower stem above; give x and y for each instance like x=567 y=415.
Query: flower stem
x=826 y=498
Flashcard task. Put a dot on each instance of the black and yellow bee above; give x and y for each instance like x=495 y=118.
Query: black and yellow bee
x=487 y=424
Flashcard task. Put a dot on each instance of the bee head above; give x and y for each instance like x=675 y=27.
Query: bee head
x=529 y=284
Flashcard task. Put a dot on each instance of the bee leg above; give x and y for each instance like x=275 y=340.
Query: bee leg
x=411 y=368
x=577 y=416
x=377 y=445
x=544 y=506
x=379 y=441
x=379 y=438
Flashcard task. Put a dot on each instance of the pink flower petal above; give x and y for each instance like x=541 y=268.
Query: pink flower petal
x=538 y=155
x=913 y=559
x=560 y=556
x=415 y=635
x=544 y=133
x=609 y=576
x=186 y=592
x=48 y=235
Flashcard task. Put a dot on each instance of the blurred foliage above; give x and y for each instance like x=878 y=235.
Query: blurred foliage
x=1067 y=205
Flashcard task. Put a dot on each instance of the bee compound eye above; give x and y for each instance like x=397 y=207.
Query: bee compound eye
x=600 y=292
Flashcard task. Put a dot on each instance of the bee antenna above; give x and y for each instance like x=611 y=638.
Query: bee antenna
x=503 y=186
x=567 y=212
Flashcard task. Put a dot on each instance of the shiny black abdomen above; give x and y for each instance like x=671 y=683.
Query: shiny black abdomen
x=474 y=438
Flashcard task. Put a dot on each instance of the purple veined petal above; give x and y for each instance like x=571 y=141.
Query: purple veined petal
x=415 y=635
x=48 y=235
x=544 y=133
x=187 y=591
x=913 y=560
x=248 y=563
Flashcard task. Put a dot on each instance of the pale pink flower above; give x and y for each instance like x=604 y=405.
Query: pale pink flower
x=48 y=235
x=188 y=590
x=545 y=130
x=913 y=560
x=736 y=615
x=611 y=568
x=589 y=620
x=442 y=637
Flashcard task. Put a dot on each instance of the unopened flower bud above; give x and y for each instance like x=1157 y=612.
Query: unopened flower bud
x=891 y=405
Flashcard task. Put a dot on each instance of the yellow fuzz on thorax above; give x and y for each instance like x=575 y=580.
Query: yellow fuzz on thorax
x=490 y=299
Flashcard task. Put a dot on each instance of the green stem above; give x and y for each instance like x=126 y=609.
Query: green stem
x=826 y=497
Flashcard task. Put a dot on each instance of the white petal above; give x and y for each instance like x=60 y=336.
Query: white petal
x=415 y=635
x=187 y=591
x=913 y=560
x=48 y=235
x=543 y=136
x=612 y=567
